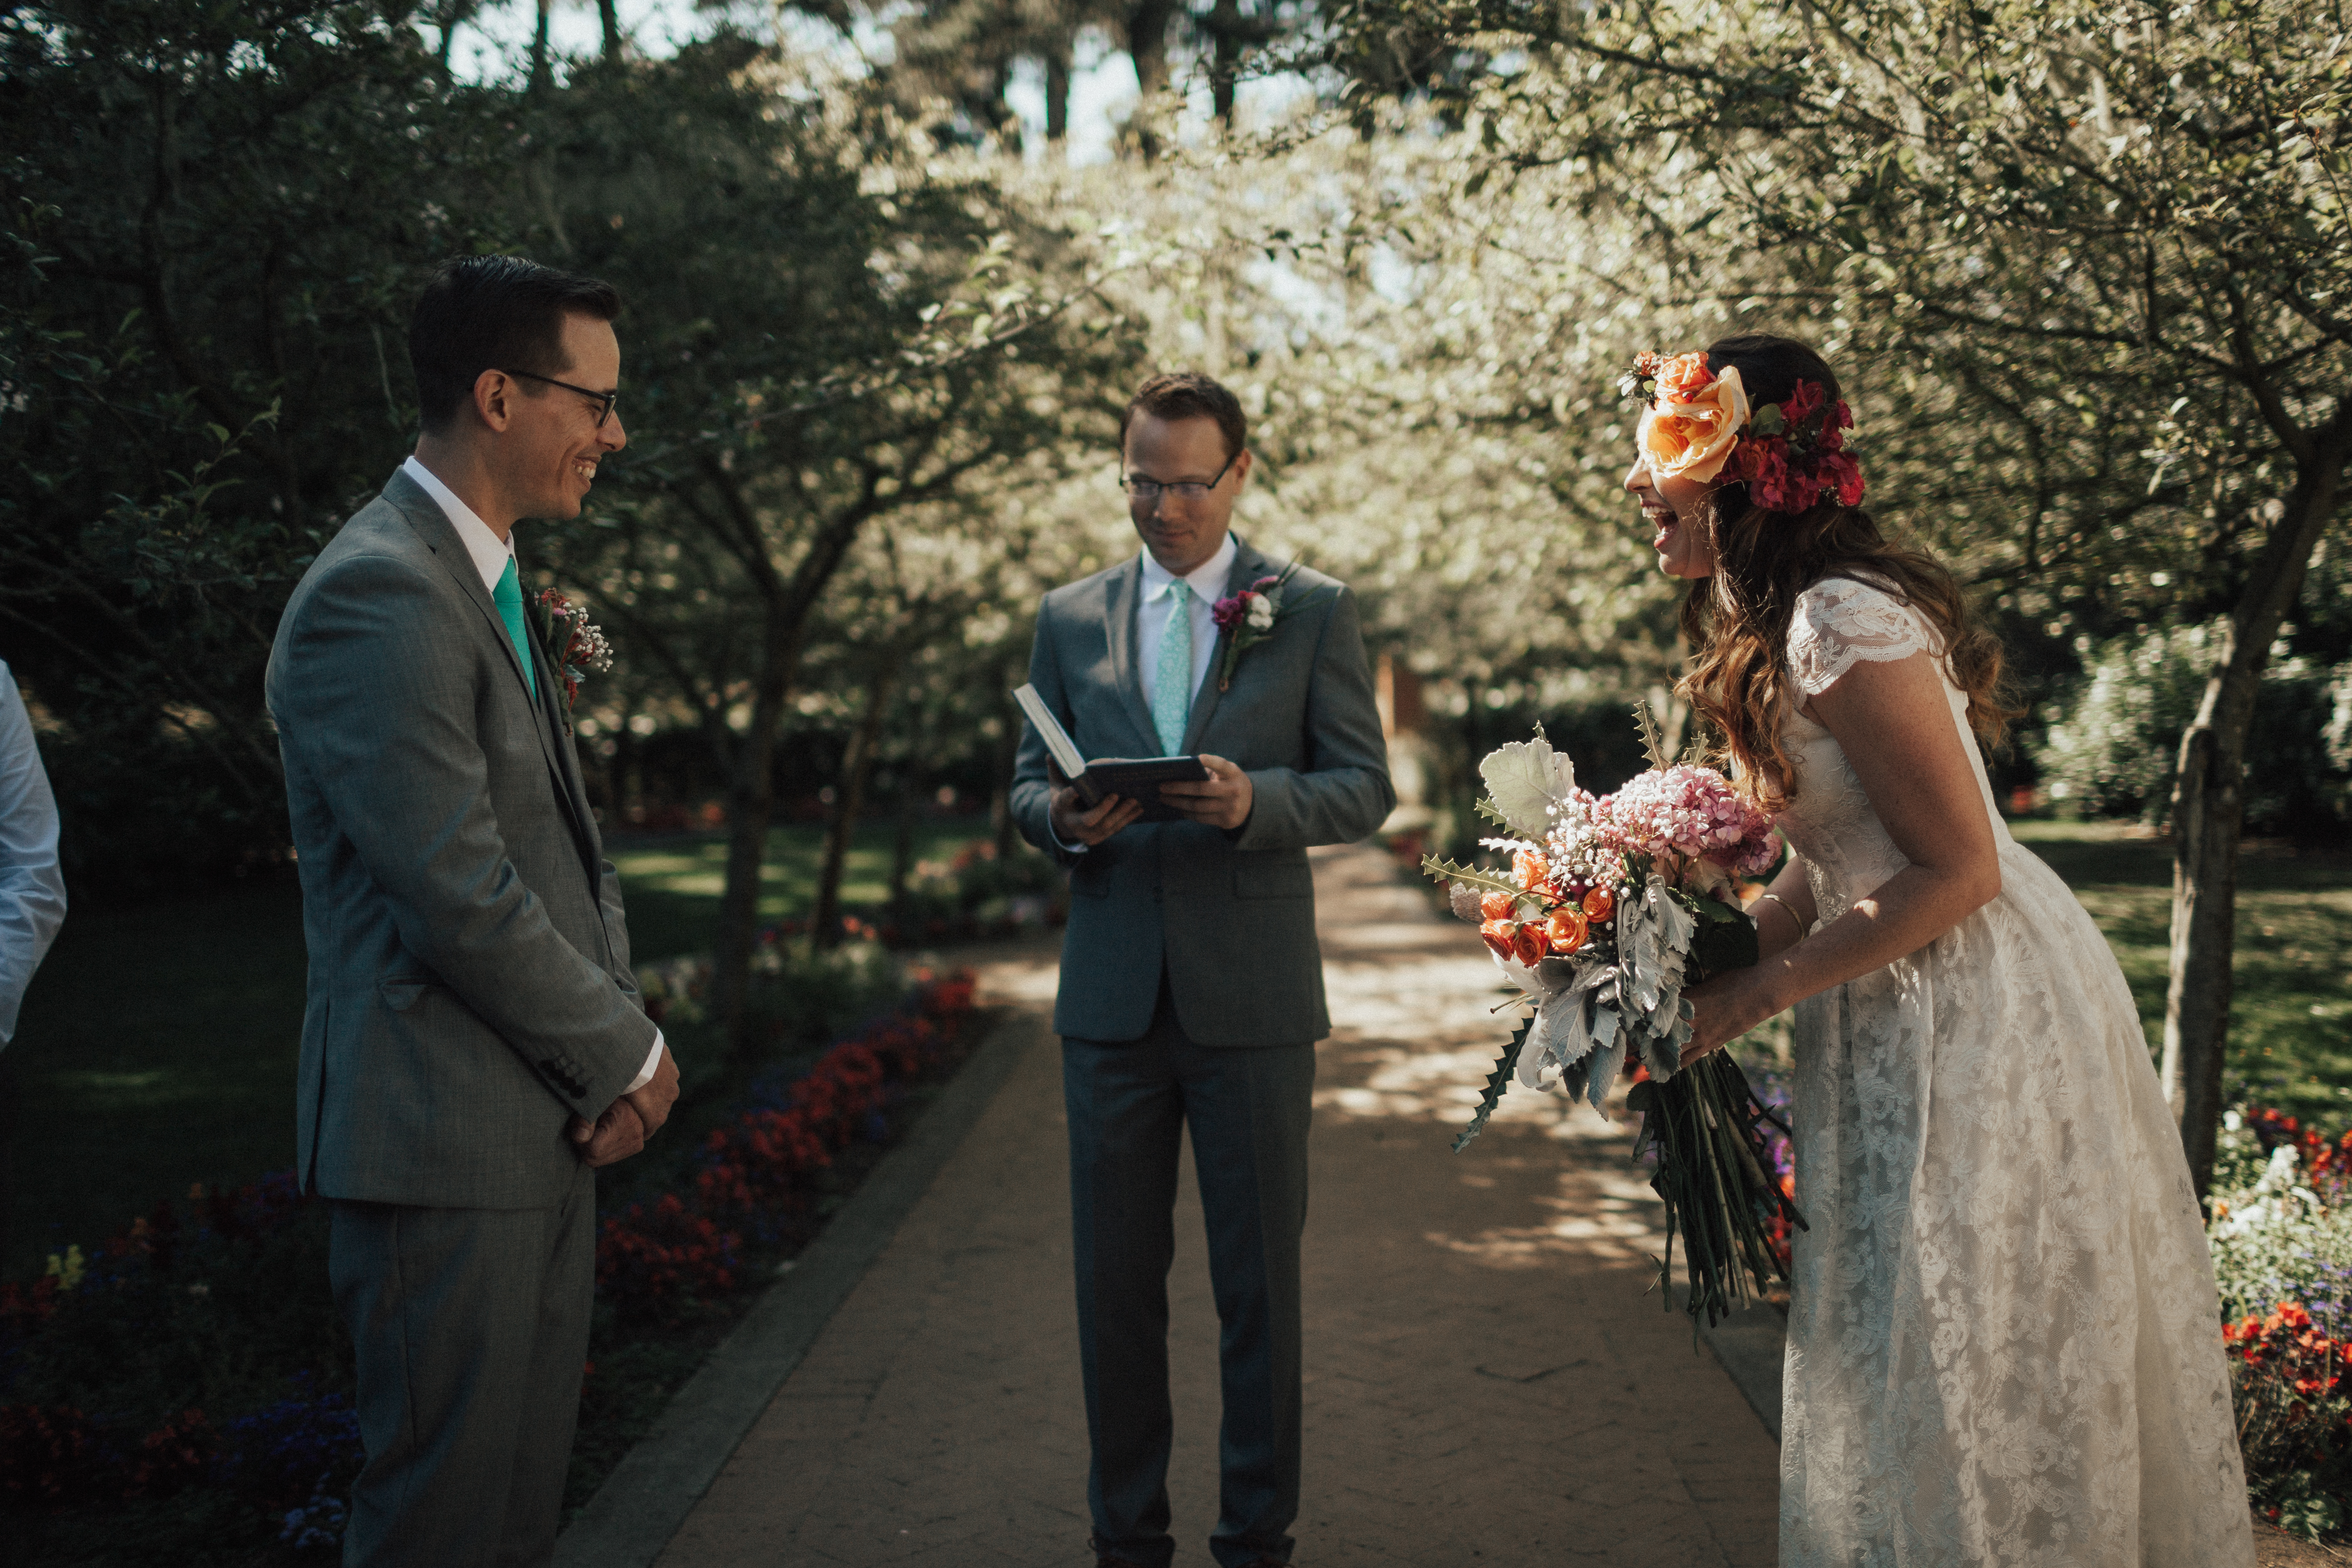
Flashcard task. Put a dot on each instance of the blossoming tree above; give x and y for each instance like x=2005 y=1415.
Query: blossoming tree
x=2102 y=252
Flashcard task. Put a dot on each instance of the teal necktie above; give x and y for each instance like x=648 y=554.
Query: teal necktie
x=508 y=596
x=1171 y=684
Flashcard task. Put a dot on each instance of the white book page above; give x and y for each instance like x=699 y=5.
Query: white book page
x=1057 y=739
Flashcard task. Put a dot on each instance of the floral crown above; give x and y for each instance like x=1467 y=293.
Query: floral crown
x=1696 y=424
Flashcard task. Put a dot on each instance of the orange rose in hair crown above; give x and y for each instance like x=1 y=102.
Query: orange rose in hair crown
x=1689 y=432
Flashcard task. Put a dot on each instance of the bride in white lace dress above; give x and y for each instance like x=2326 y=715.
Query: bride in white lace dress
x=2004 y=1344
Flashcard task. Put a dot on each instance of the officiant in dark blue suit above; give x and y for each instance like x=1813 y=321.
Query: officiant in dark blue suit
x=1192 y=983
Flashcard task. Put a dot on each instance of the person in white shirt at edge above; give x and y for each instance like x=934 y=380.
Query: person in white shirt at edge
x=474 y=1043
x=32 y=893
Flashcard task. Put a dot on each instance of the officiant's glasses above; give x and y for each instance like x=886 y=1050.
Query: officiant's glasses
x=606 y=398
x=1148 y=490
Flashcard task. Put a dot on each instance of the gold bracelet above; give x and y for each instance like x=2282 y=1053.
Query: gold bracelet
x=1804 y=927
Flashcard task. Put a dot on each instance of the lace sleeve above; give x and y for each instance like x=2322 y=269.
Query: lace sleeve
x=1840 y=623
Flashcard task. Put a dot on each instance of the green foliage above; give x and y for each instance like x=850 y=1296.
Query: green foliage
x=2114 y=747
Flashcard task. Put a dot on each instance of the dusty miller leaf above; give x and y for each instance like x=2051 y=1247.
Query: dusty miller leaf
x=1653 y=739
x=1496 y=1082
x=1447 y=871
x=1526 y=779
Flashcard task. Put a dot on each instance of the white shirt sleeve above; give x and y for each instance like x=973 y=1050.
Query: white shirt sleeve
x=32 y=888
x=653 y=1060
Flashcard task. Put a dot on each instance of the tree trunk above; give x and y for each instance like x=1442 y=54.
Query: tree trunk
x=857 y=771
x=1057 y=93
x=609 y=13
x=2209 y=808
x=1225 y=27
x=902 y=844
x=541 y=73
x=1146 y=43
x=750 y=808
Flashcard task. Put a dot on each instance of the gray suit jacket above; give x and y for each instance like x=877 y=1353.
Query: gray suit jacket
x=470 y=989
x=1230 y=916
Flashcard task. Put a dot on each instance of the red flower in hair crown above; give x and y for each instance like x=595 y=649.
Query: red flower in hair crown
x=1697 y=424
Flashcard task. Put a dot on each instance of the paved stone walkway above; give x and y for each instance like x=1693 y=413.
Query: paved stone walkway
x=1488 y=1381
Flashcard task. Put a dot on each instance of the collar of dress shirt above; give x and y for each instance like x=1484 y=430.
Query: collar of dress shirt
x=1207 y=580
x=490 y=552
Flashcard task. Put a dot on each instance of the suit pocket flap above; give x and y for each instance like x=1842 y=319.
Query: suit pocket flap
x=401 y=992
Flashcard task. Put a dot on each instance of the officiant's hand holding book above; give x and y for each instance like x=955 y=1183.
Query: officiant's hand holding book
x=1129 y=785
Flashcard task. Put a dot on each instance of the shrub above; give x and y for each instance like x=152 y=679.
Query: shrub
x=2288 y=1380
x=653 y=1261
x=2115 y=748
x=225 y=1294
x=49 y=1454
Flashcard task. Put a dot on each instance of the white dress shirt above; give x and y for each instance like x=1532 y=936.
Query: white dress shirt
x=32 y=890
x=490 y=556
x=490 y=552
x=1153 y=605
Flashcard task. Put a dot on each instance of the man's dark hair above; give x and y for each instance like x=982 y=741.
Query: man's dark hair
x=1188 y=397
x=493 y=312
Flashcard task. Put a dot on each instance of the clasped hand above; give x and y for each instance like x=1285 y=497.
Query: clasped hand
x=1725 y=1007
x=1222 y=800
x=629 y=1120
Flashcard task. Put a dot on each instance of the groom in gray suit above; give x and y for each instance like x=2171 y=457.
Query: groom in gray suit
x=474 y=1043
x=1191 y=991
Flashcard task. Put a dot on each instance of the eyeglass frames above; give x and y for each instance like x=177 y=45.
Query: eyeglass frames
x=606 y=398
x=1148 y=490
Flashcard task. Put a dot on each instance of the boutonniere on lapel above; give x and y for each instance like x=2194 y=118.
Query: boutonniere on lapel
x=581 y=647
x=1249 y=617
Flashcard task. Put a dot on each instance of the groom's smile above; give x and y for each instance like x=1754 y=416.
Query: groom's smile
x=565 y=418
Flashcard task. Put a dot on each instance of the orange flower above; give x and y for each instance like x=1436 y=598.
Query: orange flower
x=1692 y=438
x=1599 y=903
x=1566 y=930
x=1496 y=906
x=1683 y=376
x=1531 y=945
x=1533 y=874
x=1502 y=936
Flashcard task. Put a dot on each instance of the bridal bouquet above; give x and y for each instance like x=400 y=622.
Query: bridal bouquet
x=1613 y=905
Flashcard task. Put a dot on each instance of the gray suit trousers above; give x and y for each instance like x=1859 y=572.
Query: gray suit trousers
x=1248 y=1109
x=472 y=1332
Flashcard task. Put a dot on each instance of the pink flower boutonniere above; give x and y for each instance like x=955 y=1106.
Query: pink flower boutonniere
x=581 y=648
x=1249 y=617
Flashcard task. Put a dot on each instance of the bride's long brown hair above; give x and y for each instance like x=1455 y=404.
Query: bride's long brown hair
x=1737 y=619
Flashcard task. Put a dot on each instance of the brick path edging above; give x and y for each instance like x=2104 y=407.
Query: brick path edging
x=648 y=1495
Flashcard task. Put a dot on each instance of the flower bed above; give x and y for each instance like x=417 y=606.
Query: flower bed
x=110 y=1362
x=2281 y=1238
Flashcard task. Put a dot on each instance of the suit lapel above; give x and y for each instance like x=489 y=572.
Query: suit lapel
x=440 y=536
x=1248 y=567
x=1118 y=609
x=554 y=728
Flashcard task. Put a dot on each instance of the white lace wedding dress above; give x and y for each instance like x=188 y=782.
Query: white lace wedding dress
x=2004 y=1345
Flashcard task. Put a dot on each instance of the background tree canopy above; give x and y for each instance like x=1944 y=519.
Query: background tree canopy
x=2083 y=269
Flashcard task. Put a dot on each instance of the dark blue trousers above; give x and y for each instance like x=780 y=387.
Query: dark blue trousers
x=1248 y=1109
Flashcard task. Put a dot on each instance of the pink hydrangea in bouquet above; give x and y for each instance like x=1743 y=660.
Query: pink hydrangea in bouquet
x=1612 y=906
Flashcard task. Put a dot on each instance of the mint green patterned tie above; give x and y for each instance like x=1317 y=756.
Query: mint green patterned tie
x=507 y=597
x=1171 y=684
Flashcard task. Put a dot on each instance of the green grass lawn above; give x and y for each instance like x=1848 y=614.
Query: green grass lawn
x=2290 y=1005
x=157 y=1045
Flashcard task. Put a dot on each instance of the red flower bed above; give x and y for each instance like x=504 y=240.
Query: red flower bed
x=652 y=1261
x=2326 y=1166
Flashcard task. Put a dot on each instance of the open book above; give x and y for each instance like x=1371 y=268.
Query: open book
x=1131 y=778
